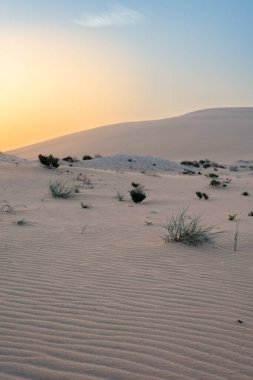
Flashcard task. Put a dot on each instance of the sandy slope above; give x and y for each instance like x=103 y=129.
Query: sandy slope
x=96 y=294
x=219 y=134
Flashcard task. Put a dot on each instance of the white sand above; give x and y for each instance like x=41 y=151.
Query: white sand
x=219 y=134
x=95 y=293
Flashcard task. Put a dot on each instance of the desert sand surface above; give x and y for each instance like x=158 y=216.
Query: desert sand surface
x=223 y=134
x=95 y=293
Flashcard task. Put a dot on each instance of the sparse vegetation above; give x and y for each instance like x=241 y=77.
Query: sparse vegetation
x=49 y=161
x=215 y=183
x=119 y=196
x=245 y=193
x=21 y=222
x=138 y=194
x=186 y=229
x=212 y=175
x=191 y=163
x=87 y=157
x=232 y=216
x=135 y=184
x=199 y=194
x=250 y=213
x=68 y=159
x=84 y=205
x=205 y=196
x=188 y=172
x=59 y=189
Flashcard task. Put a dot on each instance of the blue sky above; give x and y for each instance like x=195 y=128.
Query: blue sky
x=156 y=58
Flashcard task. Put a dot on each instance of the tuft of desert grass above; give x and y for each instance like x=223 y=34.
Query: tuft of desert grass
x=186 y=229
x=119 y=196
x=59 y=189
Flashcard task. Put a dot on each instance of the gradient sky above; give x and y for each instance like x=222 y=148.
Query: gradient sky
x=71 y=65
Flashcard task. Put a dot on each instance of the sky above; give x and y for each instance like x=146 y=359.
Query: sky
x=72 y=65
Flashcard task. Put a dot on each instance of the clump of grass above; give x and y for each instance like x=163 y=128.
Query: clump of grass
x=119 y=196
x=137 y=194
x=21 y=222
x=49 y=161
x=245 y=193
x=84 y=205
x=232 y=217
x=212 y=175
x=59 y=189
x=189 y=230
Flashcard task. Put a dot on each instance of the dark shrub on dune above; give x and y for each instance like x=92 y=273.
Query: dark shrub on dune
x=87 y=157
x=49 y=161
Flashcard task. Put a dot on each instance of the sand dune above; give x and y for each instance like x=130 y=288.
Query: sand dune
x=96 y=294
x=223 y=134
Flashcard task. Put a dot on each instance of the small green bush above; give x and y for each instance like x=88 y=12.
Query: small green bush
x=49 y=161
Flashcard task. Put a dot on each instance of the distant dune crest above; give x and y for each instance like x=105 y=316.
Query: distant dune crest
x=220 y=134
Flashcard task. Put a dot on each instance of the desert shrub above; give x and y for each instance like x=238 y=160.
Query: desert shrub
x=87 y=157
x=206 y=165
x=135 y=184
x=232 y=216
x=188 y=172
x=49 y=161
x=68 y=159
x=190 y=163
x=245 y=193
x=215 y=183
x=205 y=196
x=250 y=213
x=138 y=194
x=189 y=230
x=199 y=194
x=59 y=189
x=212 y=175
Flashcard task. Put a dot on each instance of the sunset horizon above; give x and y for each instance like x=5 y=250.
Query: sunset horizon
x=70 y=66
